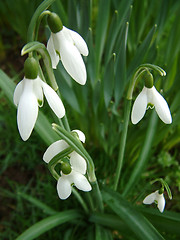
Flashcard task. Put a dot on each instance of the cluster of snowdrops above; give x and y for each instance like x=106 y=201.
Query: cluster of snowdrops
x=68 y=46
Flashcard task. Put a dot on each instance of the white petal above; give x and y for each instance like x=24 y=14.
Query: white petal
x=70 y=57
x=80 y=181
x=149 y=199
x=161 y=107
x=63 y=187
x=27 y=110
x=81 y=135
x=52 y=52
x=38 y=90
x=139 y=107
x=54 y=149
x=79 y=42
x=78 y=163
x=18 y=92
x=161 y=202
x=54 y=100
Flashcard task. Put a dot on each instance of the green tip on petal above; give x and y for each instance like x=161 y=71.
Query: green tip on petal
x=31 y=68
x=54 y=22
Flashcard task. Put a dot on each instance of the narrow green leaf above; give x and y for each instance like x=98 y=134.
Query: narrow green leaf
x=108 y=81
x=119 y=18
x=141 y=51
x=37 y=203
x=167 y=222
x=102 y=24
x=144 y=155
x=48 y=223
x=134 y=220
x=85 y=16
x=120 y=66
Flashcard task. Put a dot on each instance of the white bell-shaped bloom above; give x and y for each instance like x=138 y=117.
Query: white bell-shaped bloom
x=76 y=177
x=28 y=95
x=152 y=97
x=157 y=198
x=78 y=166
x=67 y=46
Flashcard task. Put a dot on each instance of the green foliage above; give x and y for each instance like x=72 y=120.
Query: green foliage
x=120 y=35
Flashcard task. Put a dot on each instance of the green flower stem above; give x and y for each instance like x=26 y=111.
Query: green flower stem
x=164 y=184
x=80 y=199
x=138 y=72
x=122 y=142
x=66 y=123
x=57 y=159
x=41 y=49
x=98 y=196
x=31 y=34
x=44 y=13
x=64 y=120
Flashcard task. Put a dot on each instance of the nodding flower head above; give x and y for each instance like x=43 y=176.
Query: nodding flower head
x=77 y=164
x=157 y=198
x=67 y=46
x=28 y=96
x=150 y=97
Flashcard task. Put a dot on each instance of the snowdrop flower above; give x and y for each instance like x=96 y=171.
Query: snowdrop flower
x=150 y=97
x=67 y=45
x=78 y=168
x=28 y=95
x=157 y=198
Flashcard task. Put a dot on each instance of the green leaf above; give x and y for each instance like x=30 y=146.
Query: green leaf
x=119 y=18
x=144 y=155
x=109 y=81
x=120 y=66
x=133 y=219
x=141 y=51
x=48 y=223
x=37 y=203
x=167 y=222
x=101 y=29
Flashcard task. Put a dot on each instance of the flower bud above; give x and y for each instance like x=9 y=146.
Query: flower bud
x=148 y=78
x=31 y=68
x=54 y=22
x=65 y=168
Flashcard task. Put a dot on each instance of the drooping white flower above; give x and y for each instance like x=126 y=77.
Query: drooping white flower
x=67 y=46
x=78 y=166
x=152 y=97
x=28 y=95
x=157 y=198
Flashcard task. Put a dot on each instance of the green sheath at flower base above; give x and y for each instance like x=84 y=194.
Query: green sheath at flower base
x=31 y=68
x=148 y=78
x=54 y=23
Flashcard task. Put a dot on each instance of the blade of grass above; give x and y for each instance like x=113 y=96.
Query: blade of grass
x=144 y=155
x=48 y=223
x=132 y=218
